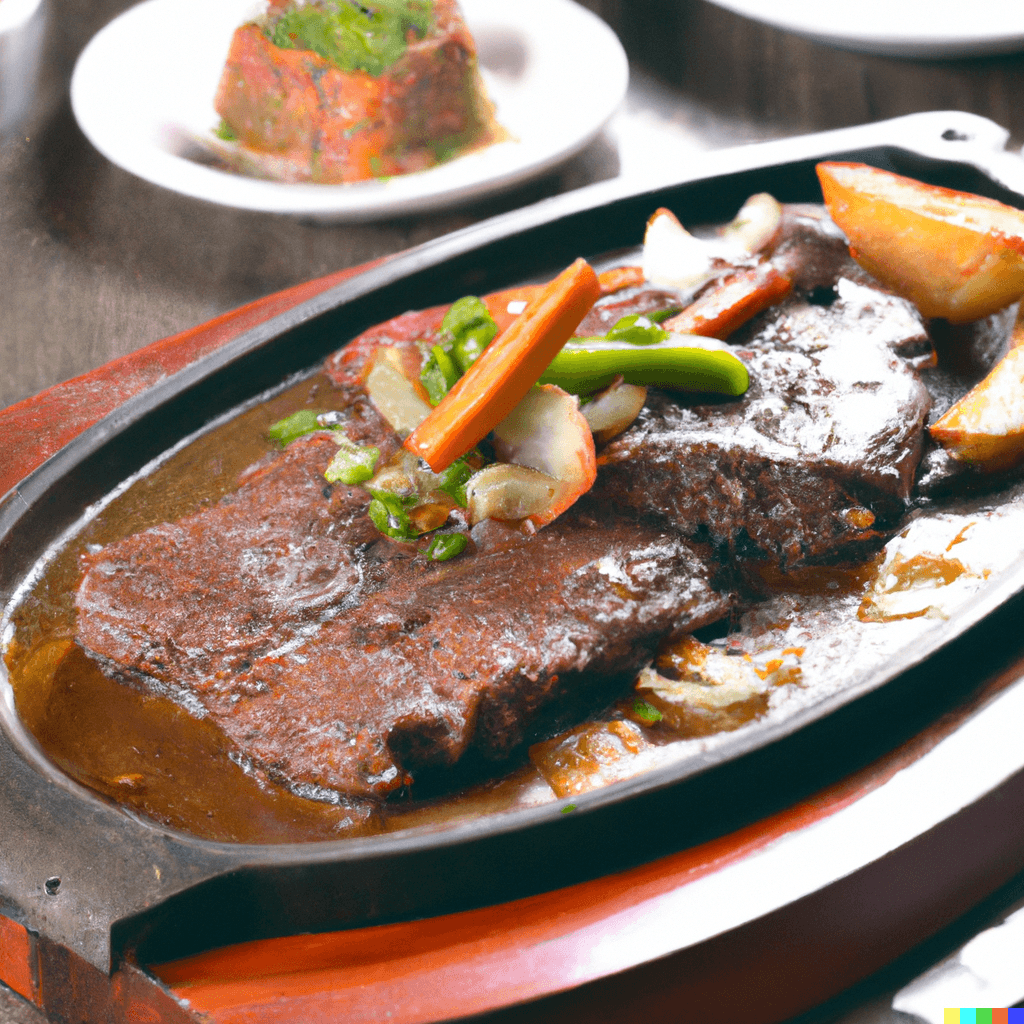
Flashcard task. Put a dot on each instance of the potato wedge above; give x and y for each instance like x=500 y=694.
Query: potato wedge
x=955 y=255
x=986 y=427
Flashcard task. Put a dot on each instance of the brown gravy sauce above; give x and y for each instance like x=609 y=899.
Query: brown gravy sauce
x=152 y=758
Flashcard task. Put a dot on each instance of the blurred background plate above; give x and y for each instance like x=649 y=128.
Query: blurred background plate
x=902 y=28
x=21 y=43
x=143 y=93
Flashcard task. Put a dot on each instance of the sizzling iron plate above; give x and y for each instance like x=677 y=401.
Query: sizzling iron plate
x=128 y=884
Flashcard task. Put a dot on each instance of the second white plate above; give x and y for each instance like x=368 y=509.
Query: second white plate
x=900 y=28
x=143 y=90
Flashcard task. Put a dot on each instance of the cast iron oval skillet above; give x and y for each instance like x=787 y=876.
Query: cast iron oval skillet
x=130 y=887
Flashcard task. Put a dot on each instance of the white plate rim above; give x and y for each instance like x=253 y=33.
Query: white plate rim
x=892 y=29
x=141 y=140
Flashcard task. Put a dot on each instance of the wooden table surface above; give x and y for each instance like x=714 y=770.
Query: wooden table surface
x=95 y=263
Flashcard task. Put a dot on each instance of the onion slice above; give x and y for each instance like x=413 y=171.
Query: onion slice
x=756 y=225
x=611 y=411
x=547 y=434
x=672 y=257
x=396 y=396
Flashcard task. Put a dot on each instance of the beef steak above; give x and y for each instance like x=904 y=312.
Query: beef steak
x=817 y=455
x=337 y=662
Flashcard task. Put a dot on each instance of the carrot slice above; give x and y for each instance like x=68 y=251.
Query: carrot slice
x=505 y=306
x=718 y=312
x=495 y=384
x=617 y=278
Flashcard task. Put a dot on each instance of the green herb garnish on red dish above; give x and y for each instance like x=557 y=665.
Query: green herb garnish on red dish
x=368 y=36
x=225 y=132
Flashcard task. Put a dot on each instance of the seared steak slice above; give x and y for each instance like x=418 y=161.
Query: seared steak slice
x=368 y=663
x=462 y=655
x=206 y=596
x=816 y=456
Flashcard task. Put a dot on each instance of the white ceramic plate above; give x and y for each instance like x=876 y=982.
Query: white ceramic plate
x=903 y=28
x=143 y=93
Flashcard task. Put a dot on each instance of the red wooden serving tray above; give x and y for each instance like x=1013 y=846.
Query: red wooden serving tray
x=757 y=925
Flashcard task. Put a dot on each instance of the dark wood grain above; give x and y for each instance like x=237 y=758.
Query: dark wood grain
x=95 y=263
x=755 y=73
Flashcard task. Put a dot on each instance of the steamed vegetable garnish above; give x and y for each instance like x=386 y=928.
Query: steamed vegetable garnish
x=390 y=514
x=471 y=327
x=443 y=546
x=353 y=463
x=673 y=258
x=679 y=364
x=659 y=316
x=452 y=481
x=494 y=384
x=612 y=410
x=439 y=373
x=756 y=225
x=646 y=712
x=287 y=430
x=398 y=396
x=545 y=433
x=955 y=255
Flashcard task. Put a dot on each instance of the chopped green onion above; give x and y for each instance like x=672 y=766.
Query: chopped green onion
x=353 y=463
x=439 y=374
x=661 y=315
x=646 y=712
x=388 y=513
x=287 y=430
x=589 y=364
x=637 y=330
x=452 y=481
x=472 y=329
x=466 y=314
x=466 y=330
x=446 y=545
x=469 y=345
x=225 y=132
x=568 y=808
